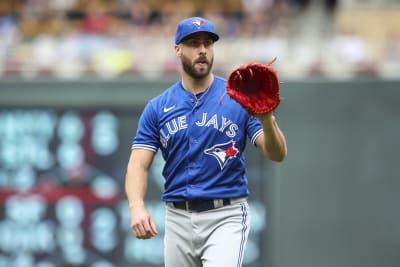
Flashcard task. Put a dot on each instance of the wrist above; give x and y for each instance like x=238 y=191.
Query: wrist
x=266 y=118
x=136 y=204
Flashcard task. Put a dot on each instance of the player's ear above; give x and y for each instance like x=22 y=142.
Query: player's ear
x=178 y=50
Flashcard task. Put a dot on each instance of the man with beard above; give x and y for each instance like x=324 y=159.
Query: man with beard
x=202 y=140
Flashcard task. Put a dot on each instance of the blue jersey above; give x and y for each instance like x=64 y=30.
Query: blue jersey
x=202 y=141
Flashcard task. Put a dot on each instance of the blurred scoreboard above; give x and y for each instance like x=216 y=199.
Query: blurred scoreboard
x=60 y=188
x=62 y=193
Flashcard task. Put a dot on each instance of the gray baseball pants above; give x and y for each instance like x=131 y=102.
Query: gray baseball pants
x=213 y=238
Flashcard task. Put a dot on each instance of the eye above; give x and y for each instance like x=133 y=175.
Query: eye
x=195 y=43
x=198 y=42
x=208 y=42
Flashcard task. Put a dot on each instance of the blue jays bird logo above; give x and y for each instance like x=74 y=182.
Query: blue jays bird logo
x=223 y=152
x=198 y=23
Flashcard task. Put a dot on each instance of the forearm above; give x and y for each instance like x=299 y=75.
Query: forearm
x=135 y=187
x=139 y=163
x=136 y=177
x=274 y=143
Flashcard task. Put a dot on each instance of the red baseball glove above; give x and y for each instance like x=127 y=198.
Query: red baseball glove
x=255 y=86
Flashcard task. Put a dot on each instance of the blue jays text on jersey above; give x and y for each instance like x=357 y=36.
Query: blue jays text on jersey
x=201 y=139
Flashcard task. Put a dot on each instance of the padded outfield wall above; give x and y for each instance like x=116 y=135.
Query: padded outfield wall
x=64 y=148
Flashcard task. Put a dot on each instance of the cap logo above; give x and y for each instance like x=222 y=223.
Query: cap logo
x=198 y=23
x=193 y=25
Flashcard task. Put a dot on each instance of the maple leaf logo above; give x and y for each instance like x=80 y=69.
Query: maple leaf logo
x=223 y=152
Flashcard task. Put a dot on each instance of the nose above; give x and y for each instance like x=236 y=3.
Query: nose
x=202 y=48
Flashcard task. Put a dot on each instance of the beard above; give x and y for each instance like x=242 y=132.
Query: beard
x=196 y=73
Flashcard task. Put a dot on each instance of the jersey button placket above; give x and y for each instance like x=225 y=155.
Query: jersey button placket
x=193 y=137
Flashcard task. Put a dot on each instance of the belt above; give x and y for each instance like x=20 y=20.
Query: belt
x=200 y=205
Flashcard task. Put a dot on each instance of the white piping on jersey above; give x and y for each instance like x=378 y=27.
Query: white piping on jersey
x=143 y=146
x=257 y=134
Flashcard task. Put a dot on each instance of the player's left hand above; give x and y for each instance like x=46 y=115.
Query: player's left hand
x=255 y=87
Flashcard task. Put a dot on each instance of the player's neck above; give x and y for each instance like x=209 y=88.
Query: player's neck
x=196 y=86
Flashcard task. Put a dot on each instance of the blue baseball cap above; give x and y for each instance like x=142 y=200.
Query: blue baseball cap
x=193 y=25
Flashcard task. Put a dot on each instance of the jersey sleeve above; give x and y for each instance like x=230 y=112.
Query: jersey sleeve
x=147 y=134
x=254 y=129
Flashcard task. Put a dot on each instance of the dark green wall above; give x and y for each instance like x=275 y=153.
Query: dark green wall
x=334 y=202
x=337 y=195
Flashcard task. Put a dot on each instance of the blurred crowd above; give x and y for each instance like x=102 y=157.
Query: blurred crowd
x=71 y=39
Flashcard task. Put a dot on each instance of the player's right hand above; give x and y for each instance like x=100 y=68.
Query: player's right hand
x=142 y=225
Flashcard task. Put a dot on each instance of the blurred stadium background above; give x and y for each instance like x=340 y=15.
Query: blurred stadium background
x=75 y=75
x=70 y=39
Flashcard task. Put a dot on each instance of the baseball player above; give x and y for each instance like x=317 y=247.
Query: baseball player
x=202 y=142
